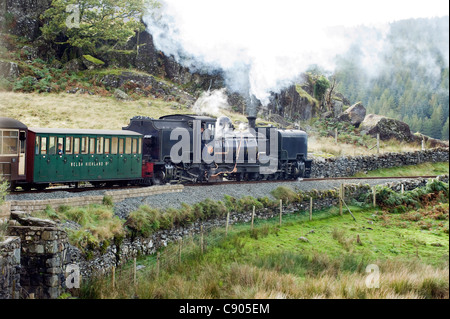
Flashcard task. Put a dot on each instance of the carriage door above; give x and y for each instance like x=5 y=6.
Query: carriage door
x=23 y=147
x=60 y=159
x=122 y=158
x=42 y=159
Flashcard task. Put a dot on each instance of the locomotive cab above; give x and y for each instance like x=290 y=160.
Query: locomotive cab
x=13 y=136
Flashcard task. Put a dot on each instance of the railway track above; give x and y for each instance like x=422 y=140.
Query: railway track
x=89 y=188
x=306 y=180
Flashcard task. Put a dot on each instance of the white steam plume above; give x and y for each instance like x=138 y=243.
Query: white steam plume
x=262 y=45
x=212 y=103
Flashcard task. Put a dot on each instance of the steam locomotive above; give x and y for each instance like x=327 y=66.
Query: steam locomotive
x=213 y=150
x=171 y=149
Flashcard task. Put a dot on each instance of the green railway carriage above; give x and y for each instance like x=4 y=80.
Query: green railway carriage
x=71 y=156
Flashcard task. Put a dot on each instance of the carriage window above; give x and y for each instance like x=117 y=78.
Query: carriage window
x=76 y=146
x=9 y=143
x=92 y=146
x=43 y=145
x=135 y=143
x=69 y=145
x=52 y=145
x=38 y=142
x=107 y=144
x=60 y=146
x=121 y=141
x=84 y=145
x=140 y=146
x=99 y=145
x=128 y=145
x=115 y=142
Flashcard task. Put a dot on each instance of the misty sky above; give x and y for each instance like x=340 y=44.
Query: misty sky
x=264 y=44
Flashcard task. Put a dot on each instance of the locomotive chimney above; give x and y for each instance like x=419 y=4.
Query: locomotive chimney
x=251 y=122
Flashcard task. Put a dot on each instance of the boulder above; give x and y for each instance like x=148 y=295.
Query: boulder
x=338 y=107
x=387 y=128
x=327 y=115
x=24 y=219
x=92 y=63
x=355 y=114
x=9 y=70
x=121 y=95
x=430 y=142
x=30 y=52
x=74 y=65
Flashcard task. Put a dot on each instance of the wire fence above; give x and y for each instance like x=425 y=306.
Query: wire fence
x=193 y=247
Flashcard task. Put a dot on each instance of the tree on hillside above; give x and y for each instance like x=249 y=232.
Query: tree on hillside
x=445 y=132
x=94 y=24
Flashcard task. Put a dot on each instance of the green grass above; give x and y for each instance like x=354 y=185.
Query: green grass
x=425 y=169
x=98 y=225
x=271 y=262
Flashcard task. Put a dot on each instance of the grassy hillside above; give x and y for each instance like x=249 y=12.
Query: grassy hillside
x=63 y=110
x=85 y=111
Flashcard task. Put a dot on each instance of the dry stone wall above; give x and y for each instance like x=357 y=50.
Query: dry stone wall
x=10 y=268
x=42 y=259
x=349 y=166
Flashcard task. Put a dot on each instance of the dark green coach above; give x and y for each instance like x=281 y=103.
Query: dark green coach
x=70 y=156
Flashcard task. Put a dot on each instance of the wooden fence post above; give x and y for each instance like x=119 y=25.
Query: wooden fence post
x=228 y=222
x=253 y=216
x=157 y=264
x=374 y=193
x=336 y=136
x=310 y=208
x=113 y=277
x=201 y=239
x=378 y=143
x=181 y=247
x=281 y=212
x=340 y=201
x=134 y=272
x=403 y=189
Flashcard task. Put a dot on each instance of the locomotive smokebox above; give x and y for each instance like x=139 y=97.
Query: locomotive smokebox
x=251 y=122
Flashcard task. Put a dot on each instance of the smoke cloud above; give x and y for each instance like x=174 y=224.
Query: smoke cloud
x=263 y=46
x=212 y=103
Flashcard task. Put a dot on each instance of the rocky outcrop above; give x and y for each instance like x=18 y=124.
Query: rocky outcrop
x=147 y=85
x=295 y=103
x=9 y=70
x=22 y=17
x=354 y=115
x=91 y=63
x=387 y=128
x=140 y=53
